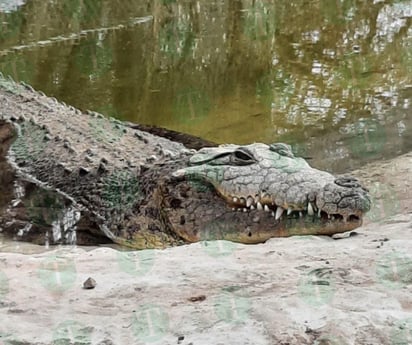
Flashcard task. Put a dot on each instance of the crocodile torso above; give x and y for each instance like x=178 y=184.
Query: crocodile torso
x=144 y=190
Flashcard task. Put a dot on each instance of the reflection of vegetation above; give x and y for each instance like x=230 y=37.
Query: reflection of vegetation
x=406 y=57
x=94 y=58
x=272 y=59
x=355 y=72
x=176 y=38
x=82 y=10
x=275 y=91
x=17 y=67
x=191 y=105
x=9 y=28
x=337 y=12
x=260 y=21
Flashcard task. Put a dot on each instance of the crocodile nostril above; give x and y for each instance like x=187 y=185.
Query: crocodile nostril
x=348 y=181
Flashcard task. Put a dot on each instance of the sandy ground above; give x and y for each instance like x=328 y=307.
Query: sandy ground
x=301 y=290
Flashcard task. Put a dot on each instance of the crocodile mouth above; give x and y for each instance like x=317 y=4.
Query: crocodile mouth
x=252 y=193
x=206 y=214
x=263 y=202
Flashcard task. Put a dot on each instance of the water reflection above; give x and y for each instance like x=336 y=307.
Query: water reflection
x=332 y=78
x=10 y=5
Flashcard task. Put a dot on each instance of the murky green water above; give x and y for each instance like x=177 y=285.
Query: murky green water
x=334 y=78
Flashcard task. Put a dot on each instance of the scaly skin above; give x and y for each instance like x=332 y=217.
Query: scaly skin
x=145 y=191
x=261 y=192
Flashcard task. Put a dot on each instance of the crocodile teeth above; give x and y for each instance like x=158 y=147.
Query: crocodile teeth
x=249 y=201
x=245 y=210
x=252 y=207
x=279 y=213
x=318 y=213
x=259 y=206
x=264 y=196
x=310 y=209
x=273 y=213
x=289 y=211
x=266 y=208
x=300 y=214
x=235 y=199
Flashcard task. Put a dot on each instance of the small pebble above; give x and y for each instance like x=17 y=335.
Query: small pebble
x=199 y=298
x=90 y=283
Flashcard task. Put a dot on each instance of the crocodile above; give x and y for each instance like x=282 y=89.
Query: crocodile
x=143 y=190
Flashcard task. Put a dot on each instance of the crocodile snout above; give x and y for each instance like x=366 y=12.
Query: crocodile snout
x=349 y=182
x=345 y=196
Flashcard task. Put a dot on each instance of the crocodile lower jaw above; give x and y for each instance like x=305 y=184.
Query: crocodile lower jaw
x=264 y=203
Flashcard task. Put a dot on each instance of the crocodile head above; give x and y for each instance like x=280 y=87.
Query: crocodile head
x=254 y=192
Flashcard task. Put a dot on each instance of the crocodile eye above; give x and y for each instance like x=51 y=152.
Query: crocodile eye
x=282 y=149
x=243 y=156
